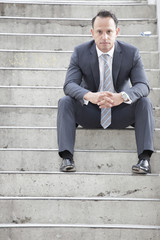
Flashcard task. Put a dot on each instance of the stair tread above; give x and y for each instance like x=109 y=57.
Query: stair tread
x=75 y=173
x=75 y=18
x=110 y=226
x=83 y=199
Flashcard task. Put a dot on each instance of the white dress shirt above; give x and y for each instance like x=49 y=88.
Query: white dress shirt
x=101 y=70
x=101 y=66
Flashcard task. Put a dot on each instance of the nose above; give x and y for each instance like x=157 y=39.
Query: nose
x=105 y=36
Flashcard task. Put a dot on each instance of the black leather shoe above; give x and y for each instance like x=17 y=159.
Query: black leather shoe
x=67 y=165
x=143 y=166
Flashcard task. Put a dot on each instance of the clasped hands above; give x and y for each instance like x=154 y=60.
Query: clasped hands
x=104 y=99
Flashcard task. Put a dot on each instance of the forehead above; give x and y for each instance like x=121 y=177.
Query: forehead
x=104 y=22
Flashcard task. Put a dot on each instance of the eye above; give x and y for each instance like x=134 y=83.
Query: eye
x=109 y=32
x=99 y=31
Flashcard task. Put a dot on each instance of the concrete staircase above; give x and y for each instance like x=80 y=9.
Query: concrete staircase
x=103 y=199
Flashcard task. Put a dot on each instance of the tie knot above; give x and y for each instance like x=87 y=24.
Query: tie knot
x=105 y=57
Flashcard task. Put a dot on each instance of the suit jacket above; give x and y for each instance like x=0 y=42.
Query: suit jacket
x=127 y=71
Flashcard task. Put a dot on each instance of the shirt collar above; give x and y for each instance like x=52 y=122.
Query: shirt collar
x=110 y=53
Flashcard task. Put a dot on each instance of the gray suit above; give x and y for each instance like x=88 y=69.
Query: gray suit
x=83 y=76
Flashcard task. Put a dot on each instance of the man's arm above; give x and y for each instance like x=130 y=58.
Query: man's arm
x=74 y=78
x=140 y=87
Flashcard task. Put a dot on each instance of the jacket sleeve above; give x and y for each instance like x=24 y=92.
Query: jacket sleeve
x=73 y=80
x=139 y=82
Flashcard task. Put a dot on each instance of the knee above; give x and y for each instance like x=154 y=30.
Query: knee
x=65 y=102
x=144 y=103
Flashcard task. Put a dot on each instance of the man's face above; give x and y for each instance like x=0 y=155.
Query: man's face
x=104 y=33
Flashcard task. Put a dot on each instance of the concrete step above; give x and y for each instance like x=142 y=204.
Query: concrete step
x=78 y=232
x=86 y=161
x=69 y=1
x=43 y=96
x=51 y=77
x=46 y=138
x=29 y=116
x=42 y=184
x=56 y=59
x=66 y=42
x=157 y=117
x=78 y=9
x=80 y=211
x=74 y=1
x=71 y=25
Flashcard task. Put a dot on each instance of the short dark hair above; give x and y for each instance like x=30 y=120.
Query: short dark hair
x=105 y=14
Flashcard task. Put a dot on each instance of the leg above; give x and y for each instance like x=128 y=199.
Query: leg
x=144 y=128
x=70 y=114
x=66 y=124
x=66 y=127
x=144 y=125
x=140 y=114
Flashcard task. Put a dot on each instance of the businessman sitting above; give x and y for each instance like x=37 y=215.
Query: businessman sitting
x=105 y=87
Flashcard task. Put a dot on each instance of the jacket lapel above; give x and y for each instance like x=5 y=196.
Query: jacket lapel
x=93 y=58
x=94 y=65
x=117 y=57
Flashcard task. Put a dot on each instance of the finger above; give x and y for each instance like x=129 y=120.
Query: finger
x=104 y=104
x=101 y=95
x=105 y=101
x=109 y=94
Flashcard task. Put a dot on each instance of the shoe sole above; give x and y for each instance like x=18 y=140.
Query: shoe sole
x=139 y=170
x=68 y=169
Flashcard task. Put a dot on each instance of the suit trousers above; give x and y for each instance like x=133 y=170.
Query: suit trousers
x=71 y=114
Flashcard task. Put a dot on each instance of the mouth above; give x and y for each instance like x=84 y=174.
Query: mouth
x=105 y=43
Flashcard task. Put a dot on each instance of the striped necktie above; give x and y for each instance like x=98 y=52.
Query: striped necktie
x=107 y=86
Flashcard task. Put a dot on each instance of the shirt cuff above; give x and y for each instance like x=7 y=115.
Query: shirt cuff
x=85 y=101
x=129 y=100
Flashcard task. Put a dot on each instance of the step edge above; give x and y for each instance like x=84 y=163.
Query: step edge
x=44 y=107
x=90 y=3
x=76 y=150
x=71 y=35
x=34 y=69
x=54 y=69
x=109 y=226
x=79 y=129
x=45 y=87
x=60 y=51
x=74 y=173
x=73 y=19
x=115 y=199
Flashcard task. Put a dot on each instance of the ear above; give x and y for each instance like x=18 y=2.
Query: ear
x=117 y=31
x=92 y=31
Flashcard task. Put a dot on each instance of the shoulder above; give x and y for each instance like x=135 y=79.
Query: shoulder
x=125 y=47
x=128 y=51
x=82 y=52
x=85 y=46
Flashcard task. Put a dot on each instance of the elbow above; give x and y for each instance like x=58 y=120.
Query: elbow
x=65 y=88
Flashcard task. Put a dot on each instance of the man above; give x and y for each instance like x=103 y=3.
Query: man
x=88 y=101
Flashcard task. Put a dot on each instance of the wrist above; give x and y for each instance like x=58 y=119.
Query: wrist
x=87 y=96
x=124 y=97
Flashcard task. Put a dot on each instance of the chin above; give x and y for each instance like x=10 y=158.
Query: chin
x=105 y=50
